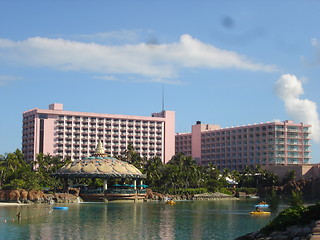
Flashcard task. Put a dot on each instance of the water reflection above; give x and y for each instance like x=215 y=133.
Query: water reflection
x=167 y=222
x=152 y=220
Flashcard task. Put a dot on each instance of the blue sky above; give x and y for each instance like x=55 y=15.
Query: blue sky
x=221 y=62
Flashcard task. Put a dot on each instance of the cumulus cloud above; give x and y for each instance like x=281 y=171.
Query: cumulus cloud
x=157 y=61
x=289 y=89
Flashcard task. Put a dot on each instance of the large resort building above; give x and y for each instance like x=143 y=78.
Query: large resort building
x=274 y=143
x=76 y=134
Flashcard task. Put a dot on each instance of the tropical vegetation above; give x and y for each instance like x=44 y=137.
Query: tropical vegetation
x=298 y=215
x=181 y=175
x=16 y=173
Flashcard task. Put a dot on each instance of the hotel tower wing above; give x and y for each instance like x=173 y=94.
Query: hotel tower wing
x=71 y=134
x=274 y=143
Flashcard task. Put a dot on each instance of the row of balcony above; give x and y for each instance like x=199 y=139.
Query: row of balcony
x=80 y=147
x=223 y=143
x=270 y=129
x=261 y=158
x=85 y=126
x=90 y=153
x=86 y=133
x=107 y=123
x=270 y=137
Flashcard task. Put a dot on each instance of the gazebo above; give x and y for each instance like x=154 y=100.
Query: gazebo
x=106 y=168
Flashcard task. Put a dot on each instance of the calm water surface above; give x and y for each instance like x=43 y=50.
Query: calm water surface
x=217 y=220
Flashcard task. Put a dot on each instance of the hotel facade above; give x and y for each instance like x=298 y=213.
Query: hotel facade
x=274 y=143
x=76 y=134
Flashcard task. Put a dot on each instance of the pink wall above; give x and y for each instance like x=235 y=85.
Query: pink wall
x=149 y=143
x=48 y=133
x=196 y=138
x=169 y=132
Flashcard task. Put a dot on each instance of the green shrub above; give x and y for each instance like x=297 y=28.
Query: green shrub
x=246 y=190
x=190 y=191
x=295 y=199
x=225 y=191
x=293 y=216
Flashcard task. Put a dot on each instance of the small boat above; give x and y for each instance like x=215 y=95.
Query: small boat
x=262 y=205
x=170 y=202
x=253 y=196
x=260 y=213
x=61 y=208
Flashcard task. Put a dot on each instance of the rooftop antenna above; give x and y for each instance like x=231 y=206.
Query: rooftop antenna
x=162 y=97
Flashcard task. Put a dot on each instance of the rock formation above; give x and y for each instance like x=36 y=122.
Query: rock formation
x=36 y=196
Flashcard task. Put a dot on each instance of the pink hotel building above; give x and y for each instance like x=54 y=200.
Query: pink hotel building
x=76 y=134
x=275 y=143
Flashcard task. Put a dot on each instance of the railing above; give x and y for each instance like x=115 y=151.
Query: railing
x=125 y=191
x=113 y=191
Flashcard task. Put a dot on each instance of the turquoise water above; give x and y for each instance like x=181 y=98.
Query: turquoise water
x=146 y=220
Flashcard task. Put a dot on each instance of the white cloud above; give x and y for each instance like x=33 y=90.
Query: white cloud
x=289 y=89
x=310 y=61
x=118 y=36
x=108 y=78
x=314 y=42
x=4 y=79
x=156 y=61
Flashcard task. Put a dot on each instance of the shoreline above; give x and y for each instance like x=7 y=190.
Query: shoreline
x=12 y=204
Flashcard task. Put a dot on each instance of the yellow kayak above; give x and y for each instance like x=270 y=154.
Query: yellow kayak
x=260 y=213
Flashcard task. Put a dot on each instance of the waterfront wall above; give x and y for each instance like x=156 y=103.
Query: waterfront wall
x=34 y=196
x=206 y=196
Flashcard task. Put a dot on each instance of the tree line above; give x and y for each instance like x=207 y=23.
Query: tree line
x=17 y=173
x=180 y=175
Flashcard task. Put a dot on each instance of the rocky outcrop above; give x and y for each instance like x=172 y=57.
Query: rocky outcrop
x=310 y=188
x=159 y=196
x=74 y=191
x=35 y=196
x=291 y=233
x=204 y=196
x=212 y=196
x=23 y=195
x=13 y=196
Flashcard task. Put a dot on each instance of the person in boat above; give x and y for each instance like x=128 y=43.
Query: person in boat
x=19 y=216
x=258 y=209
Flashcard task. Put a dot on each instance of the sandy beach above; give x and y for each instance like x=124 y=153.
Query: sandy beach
x=3 y=204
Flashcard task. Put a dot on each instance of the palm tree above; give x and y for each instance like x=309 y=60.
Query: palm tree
x=15 y=164
x=153 y=171
x=132 y=157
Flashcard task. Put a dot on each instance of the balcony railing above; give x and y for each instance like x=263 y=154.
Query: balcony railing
x=113 y=191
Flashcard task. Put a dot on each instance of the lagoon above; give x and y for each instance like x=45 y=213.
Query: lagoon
x=201 y=220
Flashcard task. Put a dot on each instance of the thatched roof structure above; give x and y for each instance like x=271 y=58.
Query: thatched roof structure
x=99 y=166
